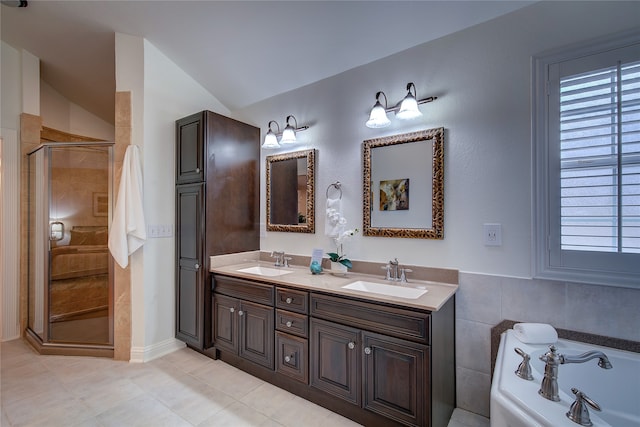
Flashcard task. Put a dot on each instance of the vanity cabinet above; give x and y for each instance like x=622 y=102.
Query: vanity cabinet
x=377 y=363
x=382 y=373
x=292 y=324
x=216 y=157
x=244 y=320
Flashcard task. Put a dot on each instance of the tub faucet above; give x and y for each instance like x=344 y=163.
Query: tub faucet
x=552 y=359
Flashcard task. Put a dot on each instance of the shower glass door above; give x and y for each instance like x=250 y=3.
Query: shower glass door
x=70 y=269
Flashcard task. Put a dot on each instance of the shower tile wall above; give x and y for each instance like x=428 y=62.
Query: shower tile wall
x=483 y=301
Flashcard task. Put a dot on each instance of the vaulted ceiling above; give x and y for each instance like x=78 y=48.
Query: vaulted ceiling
x=240 y=51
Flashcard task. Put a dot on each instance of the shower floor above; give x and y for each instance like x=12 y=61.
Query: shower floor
x=90 y=329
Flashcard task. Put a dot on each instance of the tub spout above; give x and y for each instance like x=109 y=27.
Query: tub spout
x=553 y=359
x=603 y=361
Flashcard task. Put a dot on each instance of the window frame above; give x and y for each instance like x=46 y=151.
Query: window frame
x=614 y=269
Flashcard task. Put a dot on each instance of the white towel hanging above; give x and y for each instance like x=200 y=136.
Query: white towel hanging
x=333 y=222
x=128 y=229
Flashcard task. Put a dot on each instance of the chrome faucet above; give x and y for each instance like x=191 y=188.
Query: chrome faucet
x=394 y=268
x=281 y=260
x=552 y=359
x=395 y=273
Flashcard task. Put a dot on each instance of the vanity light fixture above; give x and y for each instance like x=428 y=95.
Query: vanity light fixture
x=409 y=106
x=289 y=132
x=405 y=110
x=288 y=136
x=270 y=139
x=378 y=117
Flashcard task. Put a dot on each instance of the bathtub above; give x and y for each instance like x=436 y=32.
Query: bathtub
x=515 y=402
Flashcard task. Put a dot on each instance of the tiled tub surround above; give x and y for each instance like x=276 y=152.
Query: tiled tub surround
x=483 y=301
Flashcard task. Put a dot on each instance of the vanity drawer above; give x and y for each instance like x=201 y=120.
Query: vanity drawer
x=292 y=357
x=244 y=289
x=396 y=322
x=292 y=323
x=292 y=300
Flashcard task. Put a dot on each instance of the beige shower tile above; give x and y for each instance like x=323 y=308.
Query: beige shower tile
x=123 y=109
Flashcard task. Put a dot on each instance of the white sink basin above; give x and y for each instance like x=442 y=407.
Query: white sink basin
x=264 y=271
x=389 y=290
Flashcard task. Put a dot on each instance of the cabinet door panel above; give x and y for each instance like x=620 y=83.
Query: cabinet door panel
x=292 y=357
x=190 y=149
x=226 y=323
x=189 y=271
x=257 y=333
x=335 y=360
x=395 y=378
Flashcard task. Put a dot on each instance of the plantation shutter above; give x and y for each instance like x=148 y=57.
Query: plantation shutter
x=600 y=159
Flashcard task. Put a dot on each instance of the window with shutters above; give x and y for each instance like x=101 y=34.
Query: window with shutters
x=587 y=163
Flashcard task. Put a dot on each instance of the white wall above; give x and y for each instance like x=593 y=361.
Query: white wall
x=169 y=94
x=11 y=65
x=161 y=93
x=59 y=113
x=482 y=79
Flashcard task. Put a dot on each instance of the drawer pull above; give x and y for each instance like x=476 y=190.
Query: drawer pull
x=367 y=350
x=232 y=309
x=288 y=300
x=351 y=345
x=240 y=313
x=197 y=170
x=289 y=324
x=288 y=358
x=197 y=266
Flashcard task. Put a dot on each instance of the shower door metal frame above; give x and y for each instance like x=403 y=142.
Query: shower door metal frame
x=42 y=342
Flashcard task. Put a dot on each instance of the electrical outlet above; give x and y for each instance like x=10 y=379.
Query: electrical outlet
x=492 y=234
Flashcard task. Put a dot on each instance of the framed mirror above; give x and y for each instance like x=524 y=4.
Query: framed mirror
x=403 y=184
x=290 y=192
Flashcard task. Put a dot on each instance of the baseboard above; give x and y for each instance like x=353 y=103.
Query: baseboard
x=154 y=351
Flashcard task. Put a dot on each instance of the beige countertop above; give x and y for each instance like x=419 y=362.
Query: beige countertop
x=300 y=277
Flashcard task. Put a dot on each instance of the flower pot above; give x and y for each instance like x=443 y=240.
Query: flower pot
x=338 y=268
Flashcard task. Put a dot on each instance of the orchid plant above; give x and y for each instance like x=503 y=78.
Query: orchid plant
x=339 y=255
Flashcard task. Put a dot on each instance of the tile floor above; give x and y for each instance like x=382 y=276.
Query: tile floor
x=183 y=388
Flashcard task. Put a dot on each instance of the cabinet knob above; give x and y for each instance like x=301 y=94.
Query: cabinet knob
x=289 y=324
x=288 y=300
x=197 y=266
x=367 y=350
x=351 y=345
x=240 y=313
x=197 y=170
x=288 y=358
x=232 y=309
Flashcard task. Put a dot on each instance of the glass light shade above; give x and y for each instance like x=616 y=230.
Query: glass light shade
x=288 y=135
x=408 y=108
x=378 y=117
x=270 y=140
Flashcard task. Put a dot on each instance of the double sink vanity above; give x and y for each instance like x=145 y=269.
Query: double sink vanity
x=378 y=352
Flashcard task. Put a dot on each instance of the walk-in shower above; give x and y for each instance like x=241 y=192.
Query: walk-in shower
x=70 y=271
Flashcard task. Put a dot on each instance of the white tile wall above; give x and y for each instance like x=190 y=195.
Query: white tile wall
x=483 y=301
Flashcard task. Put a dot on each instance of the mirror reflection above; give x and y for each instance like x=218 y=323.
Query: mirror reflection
x=290 y=192
x=403 y=185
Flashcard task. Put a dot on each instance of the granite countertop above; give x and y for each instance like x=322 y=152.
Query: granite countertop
x=300 y=277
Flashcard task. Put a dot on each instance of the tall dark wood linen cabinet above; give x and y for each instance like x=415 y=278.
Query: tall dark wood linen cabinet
x=217 y=211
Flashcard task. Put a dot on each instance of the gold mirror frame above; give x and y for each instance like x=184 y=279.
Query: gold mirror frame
x=437 y=205
x=309 y=225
